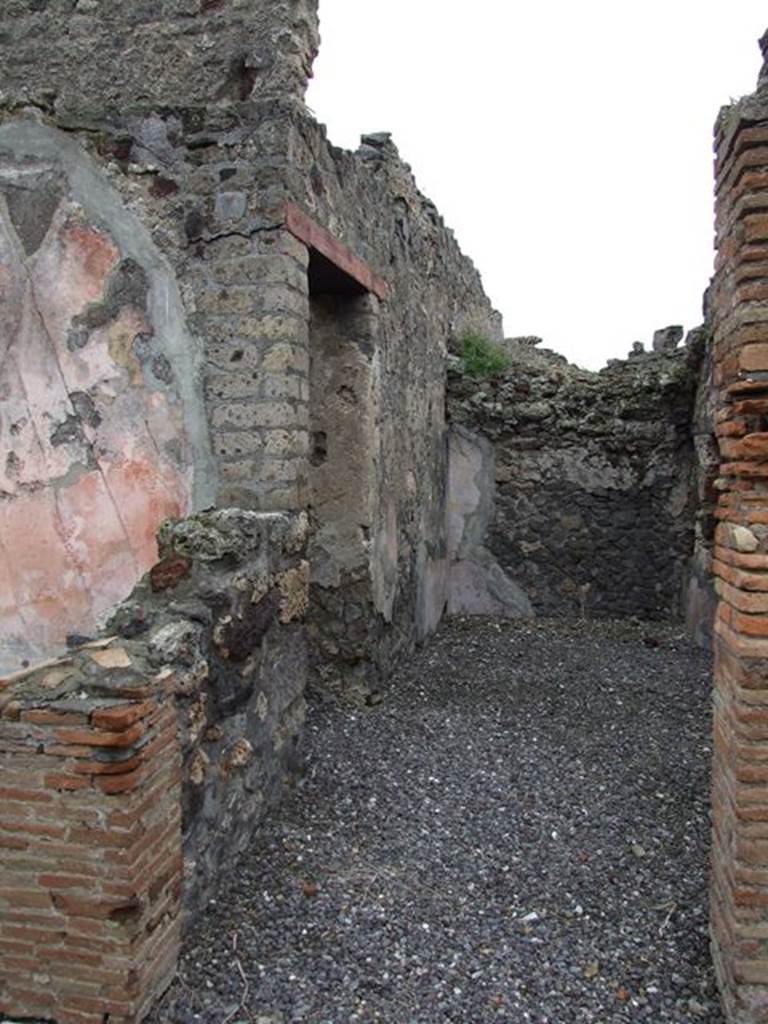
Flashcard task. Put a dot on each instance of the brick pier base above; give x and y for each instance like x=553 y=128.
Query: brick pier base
x=90 y=839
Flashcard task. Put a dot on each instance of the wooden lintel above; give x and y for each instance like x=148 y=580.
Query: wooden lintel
x=314 y=236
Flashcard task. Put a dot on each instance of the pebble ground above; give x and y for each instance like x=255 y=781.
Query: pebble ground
x=518 y=833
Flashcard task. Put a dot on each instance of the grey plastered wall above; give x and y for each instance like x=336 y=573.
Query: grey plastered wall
x=477 y=585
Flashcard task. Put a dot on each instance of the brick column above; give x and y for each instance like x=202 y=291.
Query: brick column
x=90 y=839
x=739 y=902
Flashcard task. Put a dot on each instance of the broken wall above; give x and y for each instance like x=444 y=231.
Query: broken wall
x=209 y=168
x=596 y=477
x=137 y=767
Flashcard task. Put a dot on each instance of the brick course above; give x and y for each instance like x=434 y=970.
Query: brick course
x=90 y=830
x=739 y=894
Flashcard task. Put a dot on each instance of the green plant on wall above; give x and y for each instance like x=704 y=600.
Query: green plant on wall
x=480 y=357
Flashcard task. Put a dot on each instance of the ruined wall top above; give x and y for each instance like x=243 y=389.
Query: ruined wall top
x=87 y=62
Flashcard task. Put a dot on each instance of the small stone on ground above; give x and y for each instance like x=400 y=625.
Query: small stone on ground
x=518 y=833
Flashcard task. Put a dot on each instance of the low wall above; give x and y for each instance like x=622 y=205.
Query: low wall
x=137 y=767
x=91 y=868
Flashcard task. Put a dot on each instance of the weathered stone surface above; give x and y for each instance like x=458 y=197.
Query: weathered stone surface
x=185 y=55
x=595 y=504
x=230 y=639
x=667 y=339
x=700 y=599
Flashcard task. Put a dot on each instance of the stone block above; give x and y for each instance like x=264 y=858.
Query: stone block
x=286 y=443
x=754 y=357
x=238 y=444
x=254 y=415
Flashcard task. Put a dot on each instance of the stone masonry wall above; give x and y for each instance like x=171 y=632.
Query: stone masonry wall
x=91 y=63
x=209 y=170
x=137 y=767
x=739 y=895
x=595 y=477
x=221 y=616
x=369 y=200
x=700 y=597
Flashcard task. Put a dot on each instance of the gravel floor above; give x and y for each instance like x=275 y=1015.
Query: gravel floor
x=518 y=832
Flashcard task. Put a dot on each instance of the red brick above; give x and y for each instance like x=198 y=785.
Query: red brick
x=126 y=782
x=97 y=738
x=751 y=625
x=16 y=898
x=28 y=1001
x=66 y=881
x=106 y=1007
x=67 y=750
x=108 y=767
x=34 y=828
x=121 y=718
x=96 y=907
x=99 y=839
x=46 y=716
x=25 y=796
x=68 y=783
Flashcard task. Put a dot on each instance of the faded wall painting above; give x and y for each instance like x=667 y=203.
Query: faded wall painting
x=94 y=451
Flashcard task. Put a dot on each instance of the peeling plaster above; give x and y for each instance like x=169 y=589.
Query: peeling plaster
x=94 y=453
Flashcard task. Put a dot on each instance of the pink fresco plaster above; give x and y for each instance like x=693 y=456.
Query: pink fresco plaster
x=80 y=507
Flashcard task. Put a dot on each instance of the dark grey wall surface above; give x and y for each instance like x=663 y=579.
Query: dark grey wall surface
x=596 y=477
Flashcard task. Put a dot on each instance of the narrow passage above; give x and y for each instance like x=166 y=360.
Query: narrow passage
x=518 y=833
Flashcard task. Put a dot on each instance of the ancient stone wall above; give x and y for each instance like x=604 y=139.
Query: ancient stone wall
x=96 y=63
x=137 y=767
x=210 y=171
x=700 y=597
x=261 y=302
x=596 y=477
x=739 y=915
x=221 y=615
x=370 y=200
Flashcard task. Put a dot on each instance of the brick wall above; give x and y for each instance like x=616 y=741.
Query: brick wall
x=90 y=837
x=740 y=777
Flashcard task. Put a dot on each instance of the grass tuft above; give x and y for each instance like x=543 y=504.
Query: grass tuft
x=480 y=357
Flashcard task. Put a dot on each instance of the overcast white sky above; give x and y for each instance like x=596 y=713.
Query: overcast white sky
x=569 y=145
